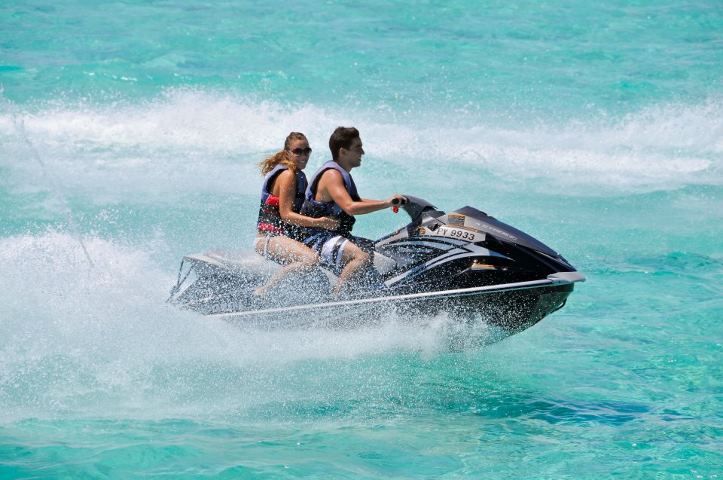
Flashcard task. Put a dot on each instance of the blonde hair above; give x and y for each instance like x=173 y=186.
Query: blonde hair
x=282 y=156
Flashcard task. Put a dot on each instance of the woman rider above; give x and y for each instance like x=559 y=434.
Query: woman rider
x=278 y=226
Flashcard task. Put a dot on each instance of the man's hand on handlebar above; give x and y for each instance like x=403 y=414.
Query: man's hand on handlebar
x=395 y=200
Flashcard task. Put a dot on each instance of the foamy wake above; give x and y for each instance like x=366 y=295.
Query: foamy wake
x=198 y=141
x=98 y=339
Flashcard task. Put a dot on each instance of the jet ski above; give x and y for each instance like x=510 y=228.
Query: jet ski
x=465 y=264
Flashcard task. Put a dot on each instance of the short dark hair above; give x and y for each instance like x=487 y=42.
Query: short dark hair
x=342 y=138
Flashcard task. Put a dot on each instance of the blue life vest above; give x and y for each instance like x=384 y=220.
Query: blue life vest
x=315 y=209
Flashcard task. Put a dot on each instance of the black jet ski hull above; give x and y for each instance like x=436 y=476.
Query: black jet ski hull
x=463 y=264
x=512 y=307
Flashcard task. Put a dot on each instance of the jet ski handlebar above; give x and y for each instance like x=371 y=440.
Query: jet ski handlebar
x=416 y=207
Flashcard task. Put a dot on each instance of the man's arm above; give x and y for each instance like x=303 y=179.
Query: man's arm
x=331 y=187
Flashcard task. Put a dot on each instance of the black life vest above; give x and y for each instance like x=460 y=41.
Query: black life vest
x=316 y=209
x=269 y=220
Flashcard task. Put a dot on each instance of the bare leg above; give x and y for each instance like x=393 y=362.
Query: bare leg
x=295 y=256
x=355 y=260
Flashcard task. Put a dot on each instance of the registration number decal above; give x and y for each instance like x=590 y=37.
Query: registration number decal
x=460 y=233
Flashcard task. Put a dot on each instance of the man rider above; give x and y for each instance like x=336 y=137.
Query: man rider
x=332 y=193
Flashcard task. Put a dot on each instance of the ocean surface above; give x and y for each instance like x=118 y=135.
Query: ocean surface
x=129 y=136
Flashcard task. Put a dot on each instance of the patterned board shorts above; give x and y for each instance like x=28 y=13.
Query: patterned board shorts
x=330 y=248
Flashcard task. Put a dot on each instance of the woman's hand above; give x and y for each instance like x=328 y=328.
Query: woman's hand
x=328 y=223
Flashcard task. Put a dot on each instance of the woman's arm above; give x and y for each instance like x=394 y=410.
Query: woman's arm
x=285 y=189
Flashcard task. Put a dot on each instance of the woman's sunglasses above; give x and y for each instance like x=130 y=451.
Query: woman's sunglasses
x=302 y=151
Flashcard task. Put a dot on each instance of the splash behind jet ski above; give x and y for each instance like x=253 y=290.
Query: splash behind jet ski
x=465 y=263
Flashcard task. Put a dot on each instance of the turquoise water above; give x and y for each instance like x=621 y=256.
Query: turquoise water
x=129 y=134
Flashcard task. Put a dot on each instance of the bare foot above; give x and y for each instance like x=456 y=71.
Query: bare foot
x=261 y=292
x=338 y=291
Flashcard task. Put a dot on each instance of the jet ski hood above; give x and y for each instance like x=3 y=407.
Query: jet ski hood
x=481 y=221
x=424 y=213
